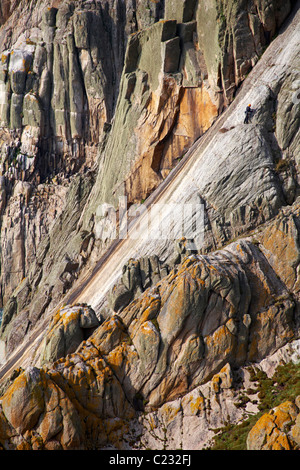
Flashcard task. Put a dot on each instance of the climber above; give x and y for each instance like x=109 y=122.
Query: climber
x=248 y=114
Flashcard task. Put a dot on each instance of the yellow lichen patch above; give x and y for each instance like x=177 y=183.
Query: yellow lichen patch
x=3 y=58
x=23 y=402
x=211 y=267
x=271 y=432
x=37 y=442
x=170 y=411
x=70 y=315
x=151 y=422
x=98 y=364
x=24 y=446
x=18 y=384
x=149 y=309
x=220 y=342
x=215 y=383
x=284 y=414
x=201 y=282
x=120 y=358
x=197 y=405
x=146 y=329
x=260 y=431
x=87 y=352
x=65 y=315
x=281 y=443
x=222 y=380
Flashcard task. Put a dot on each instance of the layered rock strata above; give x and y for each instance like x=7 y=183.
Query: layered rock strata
x=161 y=359
x=60 y=93
x=209 y=312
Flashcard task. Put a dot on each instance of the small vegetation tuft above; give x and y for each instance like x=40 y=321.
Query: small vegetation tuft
x=284 y=385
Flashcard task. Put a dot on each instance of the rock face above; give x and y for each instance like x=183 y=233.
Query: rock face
x=64 y=100
x=68 y=329
x=270 y=432
x=137 y=276
x=57 y=86
x=237 y=32
x=26 y=251
x=103 y=100
x=207 y=313
x=184 y=85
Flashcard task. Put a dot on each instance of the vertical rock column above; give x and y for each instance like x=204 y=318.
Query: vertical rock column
x=5 y=90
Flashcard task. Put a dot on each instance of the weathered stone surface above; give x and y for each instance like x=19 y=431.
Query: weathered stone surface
x=280 y=244
x=159 y=117
x=192 y=421
x=205 y=317
x=37 y=222
x=232 y=36
x=165 y=359
x=126 y=348
x=6 y=10
x=23 y=403
x=197 y=323
x=271 y=430
x=68 y=73
x=69 y=327
x=69 y=78
x=137 y=276
x=31 y=218
x=181 y=11
x=287 y=111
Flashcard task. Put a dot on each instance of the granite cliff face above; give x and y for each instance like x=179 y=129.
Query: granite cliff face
x=147 y=343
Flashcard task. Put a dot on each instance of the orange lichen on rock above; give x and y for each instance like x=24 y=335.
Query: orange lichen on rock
x=220 y=343
x=23 y=402
x=170 y=411
x=276 y=430
x=187 y=329
x=196 y=114
x=173 y=119
x=222 y=380
x=197 y=405
x=281 y=244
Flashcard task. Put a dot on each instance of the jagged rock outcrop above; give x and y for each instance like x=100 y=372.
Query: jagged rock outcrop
x=209 y=312
x=194 y=420
x=45 y=234
x=183 y=85
x=164 y=359
x=58 y=88
x=238 y=32
x=25 y=225
x=137 y=276
x=68 y=329
x=56 y=69
x=277 y=430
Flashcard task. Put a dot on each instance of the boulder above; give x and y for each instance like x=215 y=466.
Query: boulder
x=276 y=430
x=69 y=327
x=23 y=403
